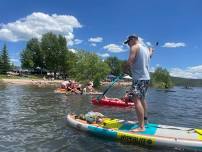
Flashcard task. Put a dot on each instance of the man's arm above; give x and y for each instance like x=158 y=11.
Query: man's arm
x=132 y=55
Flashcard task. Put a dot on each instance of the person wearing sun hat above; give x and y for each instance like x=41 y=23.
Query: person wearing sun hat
x=138 y=62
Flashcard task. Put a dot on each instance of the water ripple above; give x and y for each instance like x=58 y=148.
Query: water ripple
x=33 y=119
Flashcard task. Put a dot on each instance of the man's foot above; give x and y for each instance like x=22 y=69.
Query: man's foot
x=138 y=130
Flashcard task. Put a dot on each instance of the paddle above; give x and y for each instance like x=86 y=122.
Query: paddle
x=154 y=47
x=113 y=82
x=156 y=44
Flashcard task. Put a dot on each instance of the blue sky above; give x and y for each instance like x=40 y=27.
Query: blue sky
x=101 y=26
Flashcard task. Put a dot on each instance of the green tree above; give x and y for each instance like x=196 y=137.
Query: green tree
x=55 y=52
x=69 y=68
x=115 y=64
x=1 y=64
x=161 y=78
x=26 y=58
x=12 y=66
x=4 y=60
x=31 y=56
x=33 y=45
x=62 y=54
x=90 y=67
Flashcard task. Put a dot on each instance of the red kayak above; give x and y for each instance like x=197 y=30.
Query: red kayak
x=112 y=102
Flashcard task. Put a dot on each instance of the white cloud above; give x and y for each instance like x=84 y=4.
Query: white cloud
x=93 y=44
x=77 y=41
x=14 y=60
x=36 y=24
x=152 y=69
x=95 y=39
x=104 y=55
x=72 y=50
x=194 y=72
x=148 y=44
x=174 y=45
x=196 y=68
x=158 y=65
x=114 y=48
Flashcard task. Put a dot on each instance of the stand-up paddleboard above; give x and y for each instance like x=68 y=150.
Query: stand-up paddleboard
x=154 y=134
x=112 y=102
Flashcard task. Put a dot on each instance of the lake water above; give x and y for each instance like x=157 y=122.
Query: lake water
x=33 y=119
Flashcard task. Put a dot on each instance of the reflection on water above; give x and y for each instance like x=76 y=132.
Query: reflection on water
x=33 y=119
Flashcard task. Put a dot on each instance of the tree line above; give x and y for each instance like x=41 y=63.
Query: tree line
x=51 y=53
x=5 y=64
x=161 y=79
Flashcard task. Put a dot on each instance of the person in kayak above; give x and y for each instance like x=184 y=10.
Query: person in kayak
x=74 y=87
x=64 y=84
x=138 y=62
x=89 y=88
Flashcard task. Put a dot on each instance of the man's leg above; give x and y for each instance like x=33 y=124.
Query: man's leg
x=144 y=104
x=140 y=115
x=144 y=87
x=140 y=89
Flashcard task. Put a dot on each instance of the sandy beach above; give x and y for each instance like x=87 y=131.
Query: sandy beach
x=42 y=82
x=31 y=82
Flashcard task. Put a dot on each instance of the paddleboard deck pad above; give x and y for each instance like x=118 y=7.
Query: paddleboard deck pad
x=154 y=134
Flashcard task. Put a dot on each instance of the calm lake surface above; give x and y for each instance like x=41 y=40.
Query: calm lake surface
x=33 y=119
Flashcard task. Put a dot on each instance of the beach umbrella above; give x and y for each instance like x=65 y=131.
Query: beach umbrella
x=128 y=77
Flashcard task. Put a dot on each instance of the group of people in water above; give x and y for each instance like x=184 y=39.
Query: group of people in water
x=71 y=86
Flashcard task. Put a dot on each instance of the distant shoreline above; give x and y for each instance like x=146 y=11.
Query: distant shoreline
x=50 y=82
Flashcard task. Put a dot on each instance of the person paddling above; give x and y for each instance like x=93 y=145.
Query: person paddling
x=138 y=62
x=89 y=88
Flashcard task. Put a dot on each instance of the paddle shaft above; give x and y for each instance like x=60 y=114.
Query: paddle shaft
x=118 y=78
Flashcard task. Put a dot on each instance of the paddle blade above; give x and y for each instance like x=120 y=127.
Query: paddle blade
x=157 y=43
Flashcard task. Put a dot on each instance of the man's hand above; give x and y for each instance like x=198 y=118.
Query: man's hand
x=126 y=68
x=151 y=50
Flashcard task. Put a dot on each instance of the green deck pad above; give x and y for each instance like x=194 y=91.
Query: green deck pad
x=150 y=129
x=128 y=126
